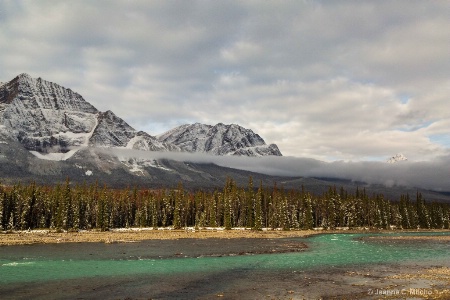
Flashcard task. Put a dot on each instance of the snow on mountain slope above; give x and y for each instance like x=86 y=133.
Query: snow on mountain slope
x=54 y=123
x=47 y=118
x=44 y=116
x=220 y=139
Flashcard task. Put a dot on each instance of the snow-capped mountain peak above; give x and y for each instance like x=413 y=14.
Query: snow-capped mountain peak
x=53 y=122
x=48 y=118
x=397 y=158
x=219 y=139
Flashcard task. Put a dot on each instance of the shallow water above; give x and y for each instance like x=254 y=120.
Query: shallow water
x=141 y=268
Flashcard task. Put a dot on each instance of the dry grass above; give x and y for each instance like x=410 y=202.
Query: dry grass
x=137 y=234
x=438 y=278
x=440 y=274
x=127 y=236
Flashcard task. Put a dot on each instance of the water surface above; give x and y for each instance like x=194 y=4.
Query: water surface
x=197 y=268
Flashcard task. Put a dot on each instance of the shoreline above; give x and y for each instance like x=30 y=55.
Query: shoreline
x=131 y=235
x=379 y=280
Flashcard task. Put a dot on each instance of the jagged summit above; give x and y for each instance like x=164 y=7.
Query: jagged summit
x=219 y=139
x=397 y=158
x=48 y=118
x=54 y=122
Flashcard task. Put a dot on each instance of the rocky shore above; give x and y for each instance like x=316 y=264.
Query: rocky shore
x=137 y=235
x=128 y=235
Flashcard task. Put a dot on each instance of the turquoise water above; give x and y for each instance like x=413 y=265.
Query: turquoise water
x=325 y=250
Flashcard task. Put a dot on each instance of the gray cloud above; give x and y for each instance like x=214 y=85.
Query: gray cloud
x=431 y=175
x=344 y=80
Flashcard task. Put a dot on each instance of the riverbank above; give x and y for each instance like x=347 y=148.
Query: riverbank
x=139 y=234
x=129 y=235
x=208 y=264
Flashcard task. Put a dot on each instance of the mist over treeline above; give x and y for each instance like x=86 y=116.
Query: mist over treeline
x=431 y=175
x=85 y=207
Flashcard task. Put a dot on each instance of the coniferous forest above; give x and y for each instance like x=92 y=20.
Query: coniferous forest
x=84 y=207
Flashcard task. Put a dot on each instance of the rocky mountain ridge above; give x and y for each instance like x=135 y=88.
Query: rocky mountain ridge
x=50 y=120
x=49 y=133
x=219 y=139
x=47 y=118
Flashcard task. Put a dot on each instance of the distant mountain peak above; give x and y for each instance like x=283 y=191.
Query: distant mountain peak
x=397 y=158
x=220 y=139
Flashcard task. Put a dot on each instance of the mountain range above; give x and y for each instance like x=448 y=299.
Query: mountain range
x=48 y=120
x=49 y=133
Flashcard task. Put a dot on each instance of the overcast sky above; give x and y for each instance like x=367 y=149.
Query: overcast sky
x=330 y=80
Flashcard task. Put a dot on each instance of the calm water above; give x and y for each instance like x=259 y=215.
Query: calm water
x=59 y=262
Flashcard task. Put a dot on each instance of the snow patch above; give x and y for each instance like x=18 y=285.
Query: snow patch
x=133 y=141
x=133 y=166
x=55 y=156
x=89 y=173
x=154 y=164
x=89 y=135
x=136 y=165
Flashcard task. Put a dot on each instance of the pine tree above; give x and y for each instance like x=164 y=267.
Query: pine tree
x=422 y=212
x=2 y=208
x=67 y=207
x=446 y=216
x=177 y=208
x=227 y=204
x=250 y=203
x=154 y=213
x=213 y=210
x=258 y=220
x=404 y=213
x=308 y=221
x=11 y=225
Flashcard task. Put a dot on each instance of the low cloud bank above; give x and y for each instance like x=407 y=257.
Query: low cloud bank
x=433 y=175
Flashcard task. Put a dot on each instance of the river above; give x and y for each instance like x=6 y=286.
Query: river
x=204 y=269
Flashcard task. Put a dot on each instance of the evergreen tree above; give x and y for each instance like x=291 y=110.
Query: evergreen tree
x=422 y=212
x=3 y=211
x=227 y=204
x=308 y=220
x=154 y=213
x=213 y=210
x=258 y=220
x=446 y=216
x=11 y=225
x=284 y=213
x=66 y=206
x=177 y=208
x=404 y=212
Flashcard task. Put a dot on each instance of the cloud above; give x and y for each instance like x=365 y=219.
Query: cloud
x=339 y=80
x=431 y=175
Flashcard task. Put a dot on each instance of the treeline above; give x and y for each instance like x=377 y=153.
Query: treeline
x=67 y=207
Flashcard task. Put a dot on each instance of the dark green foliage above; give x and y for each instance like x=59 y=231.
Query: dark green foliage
x=68 y=207
x=229 y=195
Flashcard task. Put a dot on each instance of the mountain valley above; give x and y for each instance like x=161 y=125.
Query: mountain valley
x=49 y=133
